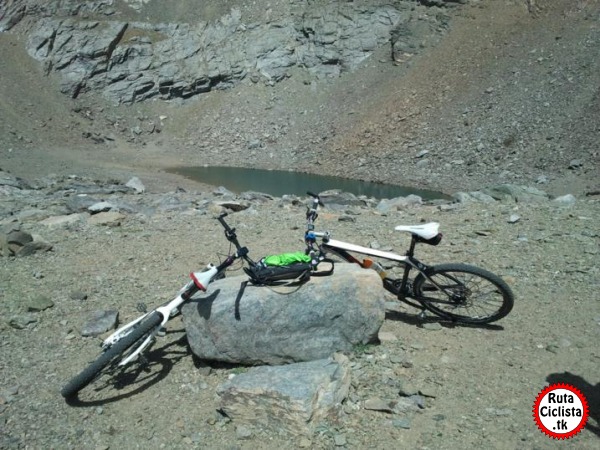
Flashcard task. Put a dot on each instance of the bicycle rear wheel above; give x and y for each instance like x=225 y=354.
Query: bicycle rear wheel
x=107 y=362
x=466 y=294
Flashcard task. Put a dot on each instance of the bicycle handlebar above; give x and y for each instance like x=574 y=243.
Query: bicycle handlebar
x=229 y=232
x=311 y=212
x=221 y=218
x=316 y=198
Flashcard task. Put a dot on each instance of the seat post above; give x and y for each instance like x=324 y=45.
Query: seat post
x=411 y=249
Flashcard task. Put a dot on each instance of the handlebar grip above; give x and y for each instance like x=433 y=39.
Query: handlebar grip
x=316 y=197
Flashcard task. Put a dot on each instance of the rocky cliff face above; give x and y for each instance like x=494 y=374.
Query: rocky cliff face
x=93 y=49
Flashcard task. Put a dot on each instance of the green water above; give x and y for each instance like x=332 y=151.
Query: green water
x=281 y=182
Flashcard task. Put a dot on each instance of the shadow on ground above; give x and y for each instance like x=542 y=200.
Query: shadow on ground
x=589 y=390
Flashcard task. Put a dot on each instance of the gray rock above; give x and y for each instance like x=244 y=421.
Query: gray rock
x=335 y=198
x=254 y=144
x=330 y=314
x=32 y=215
x=476 y=196
x=346 y=218
x=407 y=389
x=9 y=227
x=418 y=400
x=39 y=303
x=136 y=184
x=65 y=220
x=339 y=440
x=231 y=205
x=565 y=200
x=405 y=405
x=521 y=194
x=294 y=398
x=398 y=203
x=7 y=179
x=13 y=240
x=19 y=238
x=78 y=295
x=256 y=197
x=403 y=422
x=100 y=207
x=242 y=432
x=20 y=243
x=222 y=191
x=21 y=321
x=377 y=404
x=80 y=203
x=34 y=247
x=11 y=13
x=100 y=322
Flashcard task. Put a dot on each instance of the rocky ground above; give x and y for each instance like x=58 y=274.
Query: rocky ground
x=478 y=384
x=509 y=95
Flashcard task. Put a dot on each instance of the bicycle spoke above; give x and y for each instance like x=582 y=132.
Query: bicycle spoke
x=464 y=293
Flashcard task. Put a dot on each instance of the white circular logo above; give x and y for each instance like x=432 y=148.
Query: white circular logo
x=560 y=411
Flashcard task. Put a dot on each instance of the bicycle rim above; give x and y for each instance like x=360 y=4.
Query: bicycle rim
x=464 y=294
x=107 y=362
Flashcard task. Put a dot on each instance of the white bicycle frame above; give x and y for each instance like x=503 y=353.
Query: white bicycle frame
x=201 y=280
x=425 y=231
x=364 y=250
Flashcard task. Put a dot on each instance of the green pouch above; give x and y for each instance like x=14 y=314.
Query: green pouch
x=285 y=259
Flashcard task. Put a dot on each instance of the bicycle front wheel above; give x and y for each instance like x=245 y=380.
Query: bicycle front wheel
x=464 y=293
x=110 y=358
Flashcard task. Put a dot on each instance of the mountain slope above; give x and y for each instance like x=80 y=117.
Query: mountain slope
x=509 y=94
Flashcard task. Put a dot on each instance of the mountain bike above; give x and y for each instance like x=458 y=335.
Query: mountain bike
x=454 y=291
x=127 y=343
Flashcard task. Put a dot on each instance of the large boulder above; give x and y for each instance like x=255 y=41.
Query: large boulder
x=277 y=326
x=294 y=398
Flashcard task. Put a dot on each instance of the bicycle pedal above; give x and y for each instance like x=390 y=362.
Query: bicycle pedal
x=141 y=307
x=161 y=332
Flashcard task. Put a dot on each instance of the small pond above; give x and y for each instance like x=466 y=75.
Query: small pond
x=282 y=182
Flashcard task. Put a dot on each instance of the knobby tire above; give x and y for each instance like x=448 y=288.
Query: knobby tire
x=89 y=374
x=466 y=283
